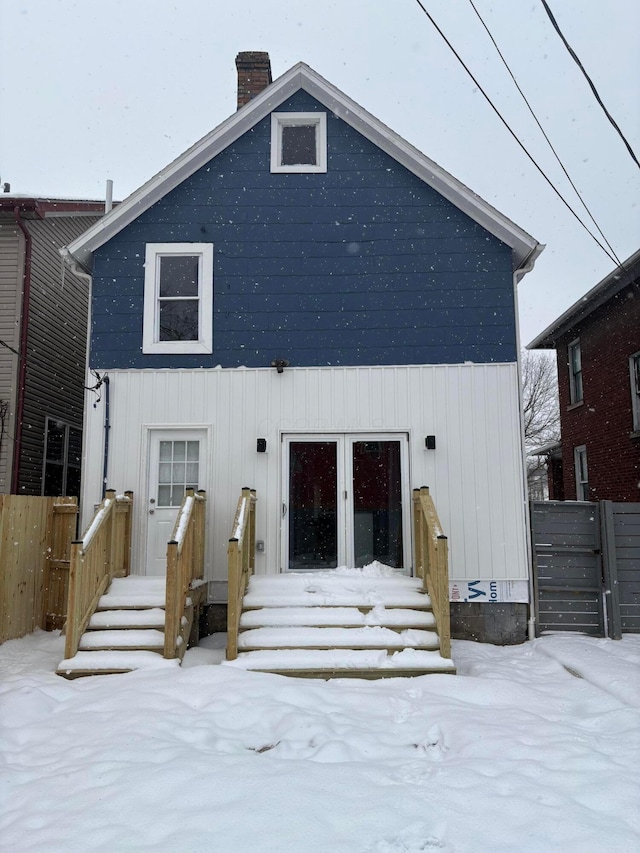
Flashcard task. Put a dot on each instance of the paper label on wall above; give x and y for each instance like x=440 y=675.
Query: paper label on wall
x=491 y=591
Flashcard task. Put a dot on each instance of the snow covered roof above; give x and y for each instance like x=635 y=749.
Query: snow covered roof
x=525 y=248
x=606 y=289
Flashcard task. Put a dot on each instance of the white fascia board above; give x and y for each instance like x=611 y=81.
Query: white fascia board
x=301 y=76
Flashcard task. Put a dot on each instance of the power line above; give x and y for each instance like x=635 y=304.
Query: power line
x=505 y=123
x=576 y=59
x=542 y=130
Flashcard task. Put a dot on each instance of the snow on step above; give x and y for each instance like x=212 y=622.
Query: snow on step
x=134 y=592
x=149 y=618
x=329 y=638
x=345 y=617
x=129 y=639
x=341 y=659
x=116 y=660
x=328 y=589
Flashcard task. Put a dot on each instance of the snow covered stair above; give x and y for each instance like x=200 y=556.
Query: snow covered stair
x=125 y=633
x=344 y=623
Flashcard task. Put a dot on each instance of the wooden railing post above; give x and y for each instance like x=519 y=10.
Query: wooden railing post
x=233 y=609
x=72 y=637
x=172 y=606
x=126 y=557
x=442 y=583
x=431 y=561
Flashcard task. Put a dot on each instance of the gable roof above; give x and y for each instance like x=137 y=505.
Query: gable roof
x=301 y=76
x=605 y=290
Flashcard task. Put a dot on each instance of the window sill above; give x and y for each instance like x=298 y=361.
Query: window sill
x=634 y=435
x=178 y=348
x=575 y=405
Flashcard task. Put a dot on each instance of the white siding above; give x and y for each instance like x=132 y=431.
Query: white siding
x=475 y=473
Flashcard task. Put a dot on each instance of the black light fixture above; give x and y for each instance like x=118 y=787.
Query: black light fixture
x=430 y=442
x=280 y=364
x=261 y=445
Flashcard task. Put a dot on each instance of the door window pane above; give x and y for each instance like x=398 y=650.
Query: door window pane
x=175 y=474
x=377 y=503
x=313 y=507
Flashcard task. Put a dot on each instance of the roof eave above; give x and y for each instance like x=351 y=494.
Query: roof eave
x=602 y=292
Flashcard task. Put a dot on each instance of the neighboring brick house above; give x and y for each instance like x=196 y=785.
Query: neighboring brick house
x=598 y=350
x=43 y=334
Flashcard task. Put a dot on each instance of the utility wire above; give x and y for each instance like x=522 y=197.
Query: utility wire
x=576 y=59
x=505 y=123
x=542 y=131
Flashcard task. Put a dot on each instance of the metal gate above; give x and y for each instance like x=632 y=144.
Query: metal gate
x=586 y=564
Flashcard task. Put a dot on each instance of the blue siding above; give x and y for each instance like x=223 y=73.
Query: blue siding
x=362 y=265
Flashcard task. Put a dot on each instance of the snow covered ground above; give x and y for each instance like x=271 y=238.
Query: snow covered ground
x=532 y=749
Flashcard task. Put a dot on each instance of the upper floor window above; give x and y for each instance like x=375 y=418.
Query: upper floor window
x=178 y=298
x=575 y=372
x=634 y=370
x=298 y=142
x=582 y=473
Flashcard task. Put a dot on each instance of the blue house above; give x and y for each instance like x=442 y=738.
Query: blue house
x=305 y=303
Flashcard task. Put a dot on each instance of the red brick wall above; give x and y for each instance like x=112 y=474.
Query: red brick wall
x=603 y=423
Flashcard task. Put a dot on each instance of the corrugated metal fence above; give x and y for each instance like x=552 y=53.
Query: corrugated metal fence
x=586 y=559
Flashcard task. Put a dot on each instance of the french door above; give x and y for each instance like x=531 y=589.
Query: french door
x=176 y=463
x=345 y=501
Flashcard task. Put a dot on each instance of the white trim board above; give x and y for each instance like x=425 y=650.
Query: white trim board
x=301 y=76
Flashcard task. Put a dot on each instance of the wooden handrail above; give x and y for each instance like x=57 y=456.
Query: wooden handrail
x=432 y=562
x=241 y=561
x=102 y=554
x=185 y=565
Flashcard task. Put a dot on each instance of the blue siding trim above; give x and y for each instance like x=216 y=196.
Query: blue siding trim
x=365 y=264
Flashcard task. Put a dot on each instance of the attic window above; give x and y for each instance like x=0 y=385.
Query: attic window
x=298 y=142
x=178 y=286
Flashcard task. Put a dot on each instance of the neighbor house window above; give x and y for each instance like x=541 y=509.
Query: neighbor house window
x=178 y=298
x=62 y=458
x=575 y=372
x=298 y=142
x=634 y=370
x=582 y=473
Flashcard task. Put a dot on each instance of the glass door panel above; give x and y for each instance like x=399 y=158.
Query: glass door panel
x=377 y=503
x=313 y=505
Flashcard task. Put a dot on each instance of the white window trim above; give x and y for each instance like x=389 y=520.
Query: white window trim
x=573 y=394
x=150 y=328
x=580 y=483
x=280 y=120
x=635 y=391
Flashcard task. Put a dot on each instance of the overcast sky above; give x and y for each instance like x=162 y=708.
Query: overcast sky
x=97 y=89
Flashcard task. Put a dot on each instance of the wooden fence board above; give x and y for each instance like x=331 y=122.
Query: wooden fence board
x=31 y=546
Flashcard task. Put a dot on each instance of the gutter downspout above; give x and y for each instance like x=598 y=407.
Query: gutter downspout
x=517 y=275
x=22 y=357
x=107 y=427
x=82 y=274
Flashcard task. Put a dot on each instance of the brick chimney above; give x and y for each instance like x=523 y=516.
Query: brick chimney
x=254 y=74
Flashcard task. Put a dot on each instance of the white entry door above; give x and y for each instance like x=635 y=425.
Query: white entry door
x=345 y=501
x=176 y=463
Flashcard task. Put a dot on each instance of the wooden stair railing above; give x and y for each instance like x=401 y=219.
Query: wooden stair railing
x=102 y=554
x=241 y=562
x=185 y=567
x=432 y=563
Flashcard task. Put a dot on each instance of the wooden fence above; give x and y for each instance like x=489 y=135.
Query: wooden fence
x=241 y=560
x=185 y=567
x=102 y=554
x=432 y=562
x=35 y=541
